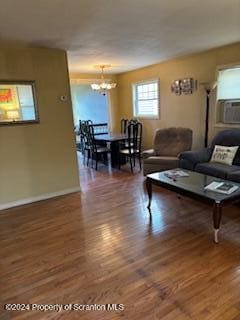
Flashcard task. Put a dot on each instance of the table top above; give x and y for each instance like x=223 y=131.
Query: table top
x=111 y=137
x=194 y=183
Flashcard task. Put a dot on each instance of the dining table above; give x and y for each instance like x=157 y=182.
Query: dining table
x=113 y=140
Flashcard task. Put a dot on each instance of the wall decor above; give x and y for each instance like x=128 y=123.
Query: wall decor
x=185 y=86
x=18 y=102
x=176 y=87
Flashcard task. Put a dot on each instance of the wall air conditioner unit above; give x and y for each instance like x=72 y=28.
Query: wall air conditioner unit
x=231 y=111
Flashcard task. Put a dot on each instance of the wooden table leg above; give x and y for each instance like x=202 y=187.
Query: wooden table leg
x=149 y=191
x=115 y=155
x=217 y=216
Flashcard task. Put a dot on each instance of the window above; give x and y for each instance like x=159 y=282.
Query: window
x=229 y=84
x=146 y=99
x=17 y=102
x=228 y=96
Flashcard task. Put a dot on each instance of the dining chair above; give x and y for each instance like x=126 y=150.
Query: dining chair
x=83 y=124
x=86 y=143
x=133 y=146
x=124 y=123
x=96 y=150
x=133 y=121
x=100 y=128
x=81 y=138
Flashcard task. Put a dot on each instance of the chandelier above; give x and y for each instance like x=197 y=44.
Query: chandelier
x=103 y=86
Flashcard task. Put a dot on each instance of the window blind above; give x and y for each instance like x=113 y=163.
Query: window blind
x=228 y=84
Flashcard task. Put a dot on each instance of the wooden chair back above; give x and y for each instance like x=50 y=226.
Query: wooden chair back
x=124 y=124
x=134 y=136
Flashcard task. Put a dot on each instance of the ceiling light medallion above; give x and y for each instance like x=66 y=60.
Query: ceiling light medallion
x=103 y=86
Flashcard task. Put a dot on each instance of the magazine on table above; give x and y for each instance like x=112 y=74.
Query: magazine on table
x=176 y=173
x=222 y=187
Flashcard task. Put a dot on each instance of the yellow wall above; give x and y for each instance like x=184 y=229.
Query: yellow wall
x=39 y=158
x=184 y=110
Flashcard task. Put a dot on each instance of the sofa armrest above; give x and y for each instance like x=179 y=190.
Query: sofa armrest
x=148 y=153
x=189 y=159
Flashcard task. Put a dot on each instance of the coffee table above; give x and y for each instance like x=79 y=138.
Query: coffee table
x=193 y=186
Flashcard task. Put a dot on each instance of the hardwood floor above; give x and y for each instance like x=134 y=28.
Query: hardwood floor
x=101 y=247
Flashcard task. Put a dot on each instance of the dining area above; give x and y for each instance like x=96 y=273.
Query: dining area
x=97 y=144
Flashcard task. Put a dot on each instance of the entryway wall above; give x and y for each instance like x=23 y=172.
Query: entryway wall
x=38 y=161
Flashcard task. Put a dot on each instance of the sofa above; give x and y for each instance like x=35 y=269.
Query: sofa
x=167 y=145
x=199 y=160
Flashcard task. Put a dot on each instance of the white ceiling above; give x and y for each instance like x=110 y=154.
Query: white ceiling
x=127 y=34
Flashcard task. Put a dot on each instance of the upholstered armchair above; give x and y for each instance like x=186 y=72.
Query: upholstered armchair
x=167 y=145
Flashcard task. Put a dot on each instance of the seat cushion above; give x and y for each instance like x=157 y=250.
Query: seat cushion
x=157 y=164
x=128 y=151
x=162 y=160
x=234 y=176
x=215 y=169
x=102 y=150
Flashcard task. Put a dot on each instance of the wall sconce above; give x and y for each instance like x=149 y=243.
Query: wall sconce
x=185 y=86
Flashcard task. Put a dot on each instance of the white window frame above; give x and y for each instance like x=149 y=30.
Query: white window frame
x=134 y=93
x=219 y=124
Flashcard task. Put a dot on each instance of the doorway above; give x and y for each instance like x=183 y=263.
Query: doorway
x=88 y=105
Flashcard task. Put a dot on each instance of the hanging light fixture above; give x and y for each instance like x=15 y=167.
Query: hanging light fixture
x=104 y=85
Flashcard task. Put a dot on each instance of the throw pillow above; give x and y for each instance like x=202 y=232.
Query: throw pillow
x=225 y=155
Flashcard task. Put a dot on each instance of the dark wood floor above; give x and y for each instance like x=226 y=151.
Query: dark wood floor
x=100 y=247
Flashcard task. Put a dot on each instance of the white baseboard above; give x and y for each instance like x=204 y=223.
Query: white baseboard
x=38 y=198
